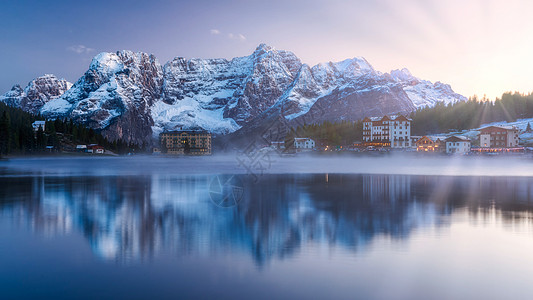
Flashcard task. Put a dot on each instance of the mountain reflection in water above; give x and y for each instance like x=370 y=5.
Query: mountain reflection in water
x=131 y=218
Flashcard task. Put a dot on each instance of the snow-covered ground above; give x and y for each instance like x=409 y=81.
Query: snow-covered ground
x=188 y=113
x=473 y=134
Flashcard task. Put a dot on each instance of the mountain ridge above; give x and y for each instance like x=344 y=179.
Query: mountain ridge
x=132 y=96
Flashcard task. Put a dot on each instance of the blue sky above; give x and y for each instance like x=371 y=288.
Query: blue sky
x=478 y=46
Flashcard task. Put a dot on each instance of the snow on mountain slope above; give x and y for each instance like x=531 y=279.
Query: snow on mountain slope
x=301 y=95
x=218 y=95
x=319 y=81
x=423 y=93
x=273 y=71
x=353 y=68
x=197 y=92
x=37 y=93
x=14 y=96
x=115 y=95
x=189 y=114
x=132 y=96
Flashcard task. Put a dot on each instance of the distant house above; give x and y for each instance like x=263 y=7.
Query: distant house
x=94 y=148
x=304 y=144
x=428 y=144
x=278 y=145
x=458 y=145
x=38 y=124
x=81 y=148
x=498 y=137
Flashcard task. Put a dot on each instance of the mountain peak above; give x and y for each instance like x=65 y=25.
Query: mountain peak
x=356 y=66
x=48 y=76
x=107 y=63
x=403 y=75
x=263 y=48
x=16 y=87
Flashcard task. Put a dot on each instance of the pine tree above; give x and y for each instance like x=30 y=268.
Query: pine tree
x=40 y=139
x=289 y=140
x=5 y=133
x=26 y=139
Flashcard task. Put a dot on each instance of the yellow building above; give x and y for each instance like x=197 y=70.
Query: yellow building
x=192 y=142
x=427 y=144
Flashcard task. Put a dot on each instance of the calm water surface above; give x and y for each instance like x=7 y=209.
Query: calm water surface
x=307 y=236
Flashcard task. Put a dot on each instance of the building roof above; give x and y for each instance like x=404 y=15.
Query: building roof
x=186 y=131
x=302 y=139
x=387 y=118
x=430 y=138
x=400 y=118
x=498 y=128
x=457 y=138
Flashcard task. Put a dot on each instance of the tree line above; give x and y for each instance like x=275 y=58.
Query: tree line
x=330 y=133
x=471 y=114
x=18 y=137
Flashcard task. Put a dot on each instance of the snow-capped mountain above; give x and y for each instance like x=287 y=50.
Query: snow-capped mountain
x=37 y=93
x=116 y=95
x=424 y=93
x=132 y=96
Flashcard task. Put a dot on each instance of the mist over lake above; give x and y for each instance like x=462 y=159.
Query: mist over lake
x=273 y=163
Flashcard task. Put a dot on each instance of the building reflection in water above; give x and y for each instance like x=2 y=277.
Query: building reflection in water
x=136 y=217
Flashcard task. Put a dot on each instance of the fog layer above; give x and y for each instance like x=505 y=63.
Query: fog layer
x=272 y=164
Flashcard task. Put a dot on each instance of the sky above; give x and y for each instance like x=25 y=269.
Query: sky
x=481 y=47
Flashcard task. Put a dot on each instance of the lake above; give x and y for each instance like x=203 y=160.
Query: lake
x=122 y=228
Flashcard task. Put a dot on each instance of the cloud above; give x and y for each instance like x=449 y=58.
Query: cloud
x=214 y=31
x=237 y=36
x=80 y=49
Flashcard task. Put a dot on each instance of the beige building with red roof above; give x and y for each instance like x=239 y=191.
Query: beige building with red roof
x=498 y=137
x=429 y=144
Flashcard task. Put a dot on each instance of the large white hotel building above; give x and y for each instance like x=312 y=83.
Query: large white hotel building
x=394 y=131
